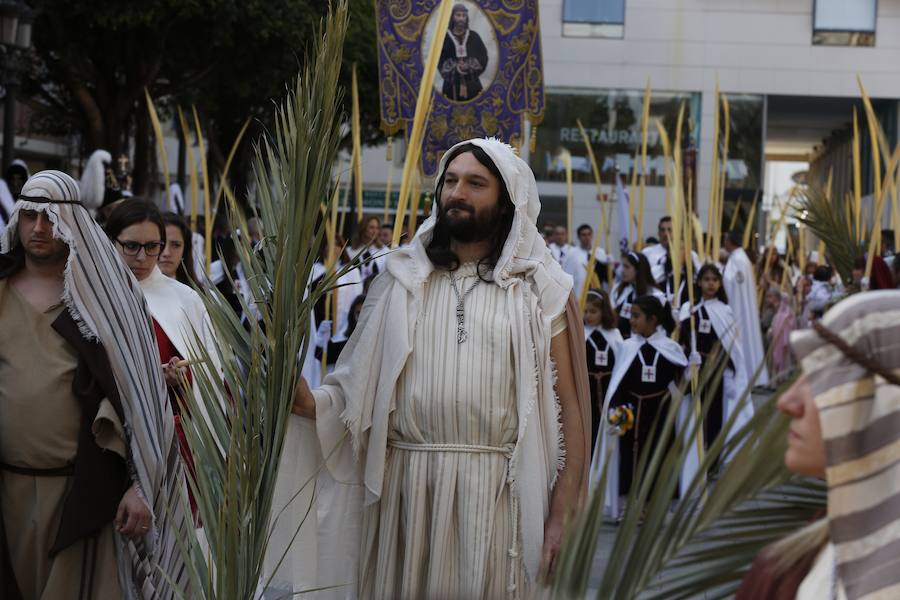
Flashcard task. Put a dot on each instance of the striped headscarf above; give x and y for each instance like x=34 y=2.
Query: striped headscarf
x=860 y=414
x=106 y=302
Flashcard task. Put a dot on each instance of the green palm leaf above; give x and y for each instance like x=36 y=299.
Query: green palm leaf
x=705 y=543
x=236 y=427
x=828 y=221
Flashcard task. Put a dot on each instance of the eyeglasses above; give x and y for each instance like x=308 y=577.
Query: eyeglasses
x=132 y=248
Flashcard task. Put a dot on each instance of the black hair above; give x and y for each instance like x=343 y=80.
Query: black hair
x=582 y=227
x=711 y=268
x=185 y=272
x=351 y=316
x=650 y=241
x=823 y=273
x=735 y=237
x=643 y=279
x=665 y=219
x=438 y=248
x=131 y=212
x=652 y=307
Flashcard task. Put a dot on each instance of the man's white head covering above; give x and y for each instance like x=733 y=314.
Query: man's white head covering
x=105 y=301
x=524 y=253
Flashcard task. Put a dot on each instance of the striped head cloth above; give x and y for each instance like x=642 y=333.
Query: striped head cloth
x=106 y=302
x=848 y=365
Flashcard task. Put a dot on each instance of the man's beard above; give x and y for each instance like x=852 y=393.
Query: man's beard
x=459 y=28
x=470 y=227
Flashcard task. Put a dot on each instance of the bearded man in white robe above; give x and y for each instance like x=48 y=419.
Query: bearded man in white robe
x=740 y=286
x=464 y=392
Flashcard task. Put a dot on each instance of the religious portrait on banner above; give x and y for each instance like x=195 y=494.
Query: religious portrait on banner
x=468 y=60
x=489 y=76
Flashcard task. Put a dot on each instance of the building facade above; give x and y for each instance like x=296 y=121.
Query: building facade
x=788 y=68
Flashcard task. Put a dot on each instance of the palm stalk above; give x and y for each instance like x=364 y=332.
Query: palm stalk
x=236 y=426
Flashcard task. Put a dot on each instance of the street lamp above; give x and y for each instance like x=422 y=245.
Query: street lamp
x=15 y=38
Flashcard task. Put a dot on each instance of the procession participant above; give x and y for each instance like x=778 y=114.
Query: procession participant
x=658 y=253
x=137 y=230
x=713 y=334
x=347 y=287
x=843 y=410
x=784 y=321
x=12 y=182
x=463 y=59
x=177 y=258
x=367 y=245
x=472 y=354
x=740 y=287
x=636 y=281
x=87 y=437
x=602 y=344
x=578 y=258
x=559 y=244
x=648 y=366
x=335 y=344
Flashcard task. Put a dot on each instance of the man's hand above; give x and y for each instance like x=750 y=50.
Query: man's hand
x=304 y=402
x=133 y=518
x=174 y=374
x=553 y=531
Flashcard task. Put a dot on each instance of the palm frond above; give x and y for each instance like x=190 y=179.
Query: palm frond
x=706 y=542
x=236 y=426
x=828 y=221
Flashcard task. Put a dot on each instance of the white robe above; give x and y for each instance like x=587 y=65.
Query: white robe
x=734 y=382
x=740 y=286
x=181 y=314
x=576 y=264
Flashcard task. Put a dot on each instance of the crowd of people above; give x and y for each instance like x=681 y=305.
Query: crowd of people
x=436 y=369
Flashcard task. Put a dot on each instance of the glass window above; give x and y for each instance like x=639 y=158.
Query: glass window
x=844 y=22
x=594 y=11
x=594 y=18
x=611 y=119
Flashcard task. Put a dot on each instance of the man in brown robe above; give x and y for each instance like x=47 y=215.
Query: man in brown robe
x=64 y=485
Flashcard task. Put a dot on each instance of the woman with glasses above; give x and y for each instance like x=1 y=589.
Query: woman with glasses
x=138 y=231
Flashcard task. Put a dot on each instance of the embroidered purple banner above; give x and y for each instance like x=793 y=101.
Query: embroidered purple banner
x=490 y=74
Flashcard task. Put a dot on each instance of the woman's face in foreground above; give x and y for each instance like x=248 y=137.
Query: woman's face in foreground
x=806 y=448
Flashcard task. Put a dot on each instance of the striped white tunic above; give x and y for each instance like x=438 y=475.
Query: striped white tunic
x=444 y=527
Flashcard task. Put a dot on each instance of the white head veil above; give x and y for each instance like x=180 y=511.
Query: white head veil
x=105 y=301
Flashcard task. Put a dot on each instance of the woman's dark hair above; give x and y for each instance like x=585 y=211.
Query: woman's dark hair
x=600 y=299
x=711 y=268
x=185 y=272
x=351 y=316
x=438 y=249
x=133 y=211
x=652 y=307
x=643 y=279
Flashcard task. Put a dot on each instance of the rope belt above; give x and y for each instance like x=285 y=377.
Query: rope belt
x=65 y=471
x=507 y=452
x=655 y=396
